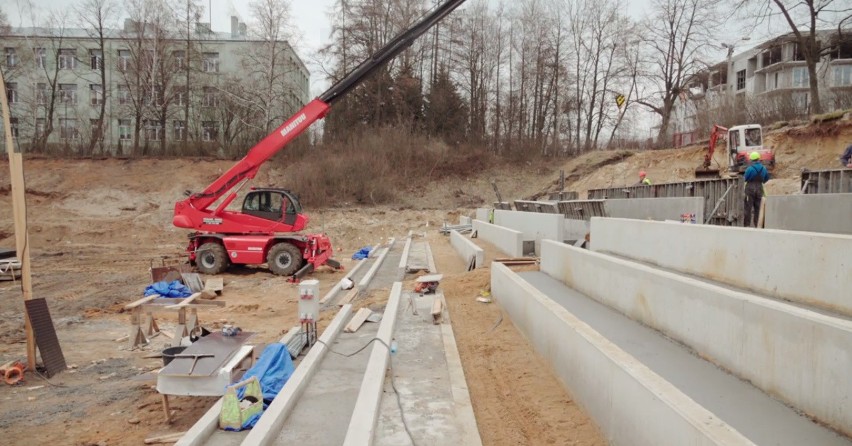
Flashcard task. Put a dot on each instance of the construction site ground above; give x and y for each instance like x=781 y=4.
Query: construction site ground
x=96 y=226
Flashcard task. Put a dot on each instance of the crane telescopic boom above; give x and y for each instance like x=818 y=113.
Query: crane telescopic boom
x=193 y=212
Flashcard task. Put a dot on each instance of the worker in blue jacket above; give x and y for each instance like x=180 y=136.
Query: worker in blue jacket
x=755 y=176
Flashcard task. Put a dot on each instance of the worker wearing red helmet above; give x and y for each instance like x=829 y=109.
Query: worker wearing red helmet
x=643 y=180
x=755 y=176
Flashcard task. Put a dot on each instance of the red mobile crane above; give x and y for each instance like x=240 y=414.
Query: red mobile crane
x=264 y=231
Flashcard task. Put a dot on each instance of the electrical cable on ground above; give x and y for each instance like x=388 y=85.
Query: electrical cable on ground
x=393 y=381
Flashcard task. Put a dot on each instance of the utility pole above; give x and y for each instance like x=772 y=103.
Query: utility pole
x=19 y=211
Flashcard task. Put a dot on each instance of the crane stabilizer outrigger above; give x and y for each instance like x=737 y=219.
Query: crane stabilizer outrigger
x=264 y=231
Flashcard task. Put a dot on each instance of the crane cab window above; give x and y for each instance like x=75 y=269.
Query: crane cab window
x=265 y=204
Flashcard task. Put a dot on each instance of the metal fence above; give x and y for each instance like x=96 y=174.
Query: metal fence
x=582 y=209
x=503 y=205
x=565 y=195
x=830 y=181
x=723 y=197
x=542 y=207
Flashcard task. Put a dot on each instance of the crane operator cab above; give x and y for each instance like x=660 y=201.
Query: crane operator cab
x=272 y=204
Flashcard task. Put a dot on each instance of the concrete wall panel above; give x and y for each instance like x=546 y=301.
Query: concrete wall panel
x=802 y=267
x=796 y=355
x=533 y=225
x=507 y=240
x=829 y=213
x=630 y=403
x=575 y=229
x=464 y=220
x=483 y=214
x=467 y=248
x=655 y=208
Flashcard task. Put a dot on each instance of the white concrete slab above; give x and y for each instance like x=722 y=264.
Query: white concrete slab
x=659 y=209
x=799 y=356
x=535 y=226
x=631 y=404
x=467 y=249
x=575 y=229
x=803 y=267
x=829 y=213
x=483 y=214
x=465 y=220
x=509 y=241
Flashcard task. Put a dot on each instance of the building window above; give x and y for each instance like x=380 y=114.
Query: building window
x=68 y=128
x=801 y=79
x=842 y=75
x=67 y=59
x=96 y=94
x=180 y=59
x=180 y=130
x=41 y=94
x=153 y=130
x=123 y=59
x=40 y=56
x=153 y=97
x=68 y=93
x=180 y=96
x=13 y=123
x=741 y=79
x=40 y=126
x=210 y=63
x=124 y=133
x=210 y=131
x=11 y=57
x=96 y=59
x=12 y=92
x=210 y=99
x=123 y=94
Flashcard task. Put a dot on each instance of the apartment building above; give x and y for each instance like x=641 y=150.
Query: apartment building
x=162 y=92
x=767 y=82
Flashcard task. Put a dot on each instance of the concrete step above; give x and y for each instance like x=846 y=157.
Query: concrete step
x=797 y=355
x=640 y=386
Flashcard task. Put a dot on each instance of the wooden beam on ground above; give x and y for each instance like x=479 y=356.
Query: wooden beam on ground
x=437 y=309
x=349 y=297
x=19 y=211
x=358 y=320
x=168 y=438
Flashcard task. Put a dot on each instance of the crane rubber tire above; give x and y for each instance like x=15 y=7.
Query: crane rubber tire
x=284 y=259
x=211 y=258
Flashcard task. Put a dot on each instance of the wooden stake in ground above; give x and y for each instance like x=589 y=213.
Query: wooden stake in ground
x=761 y=217
x=19 y=211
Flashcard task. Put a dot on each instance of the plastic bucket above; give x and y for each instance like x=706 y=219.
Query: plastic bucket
x=169 y=354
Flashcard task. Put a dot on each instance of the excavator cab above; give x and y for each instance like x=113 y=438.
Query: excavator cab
x=743 y=140
x=272 y=204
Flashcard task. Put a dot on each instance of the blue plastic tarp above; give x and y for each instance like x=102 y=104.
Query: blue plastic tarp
x=362 y=253
x=273 y=369
x=168 y=289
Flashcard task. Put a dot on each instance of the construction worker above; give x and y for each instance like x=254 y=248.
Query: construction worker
x=846 y=158
x=642 y=180
x=755 y=176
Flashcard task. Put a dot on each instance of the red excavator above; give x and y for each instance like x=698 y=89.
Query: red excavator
x=742 y=140
x=265 y=231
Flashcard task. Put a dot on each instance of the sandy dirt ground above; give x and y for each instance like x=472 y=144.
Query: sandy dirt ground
x=96 y=227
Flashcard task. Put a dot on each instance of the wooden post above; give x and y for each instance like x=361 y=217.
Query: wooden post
x=19 y=211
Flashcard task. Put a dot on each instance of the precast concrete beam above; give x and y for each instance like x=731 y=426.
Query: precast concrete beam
x=660 y=209
x=825 y=213
x=799 y=356
x=535 y=226
x=362 y=425
x=630 y=403
x=269 y=425
x=507 y=240
x=808 y=268
x=467 y=249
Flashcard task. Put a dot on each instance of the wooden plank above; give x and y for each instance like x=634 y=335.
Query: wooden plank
x=358 y=320
x=437 y=309
x=192 y=281
x=141 y=301
x=185 y=302
x=347 y=299
x=168 y=438
x=215 y=284
x=19 y=215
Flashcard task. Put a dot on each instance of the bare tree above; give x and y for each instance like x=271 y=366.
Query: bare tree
x=96 y=16
x=804 y=18
x=674 y=36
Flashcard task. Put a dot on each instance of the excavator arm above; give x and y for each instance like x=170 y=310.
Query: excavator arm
x=194 y=212
x=706 y=169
